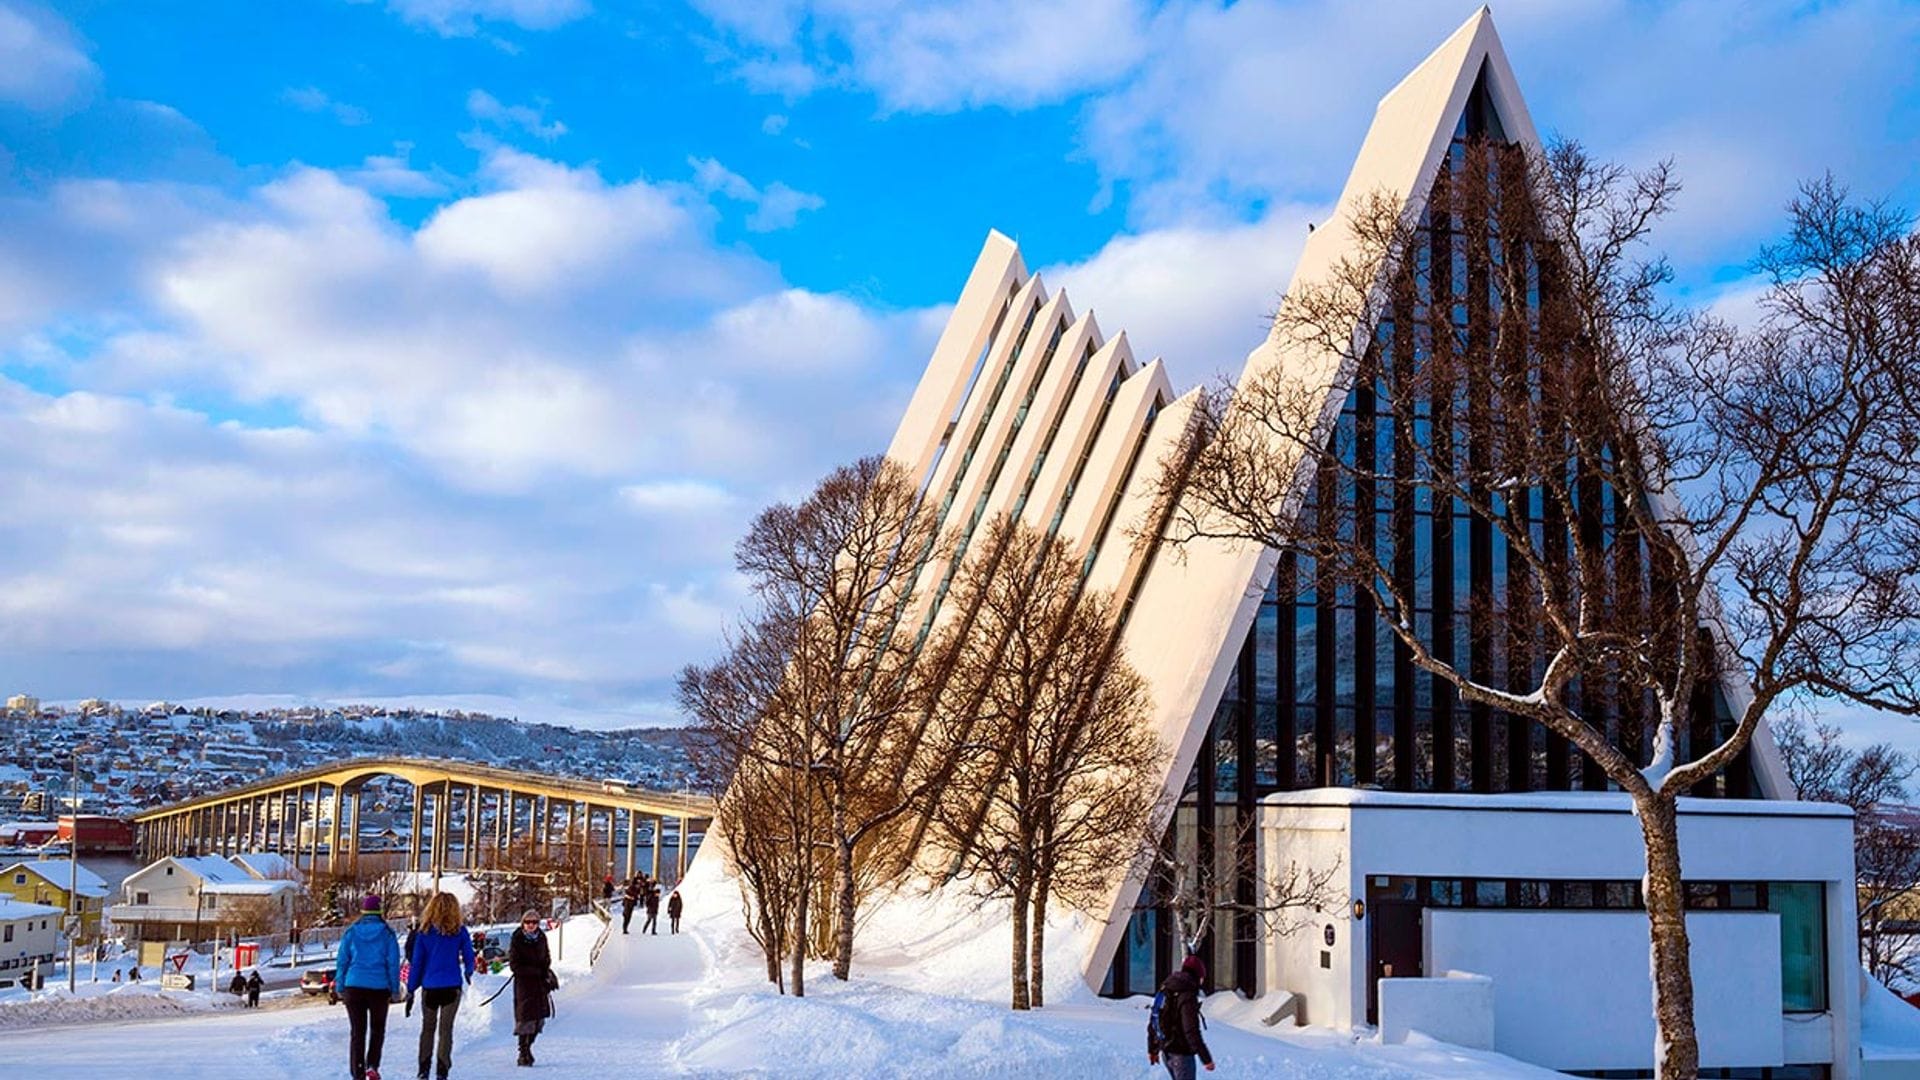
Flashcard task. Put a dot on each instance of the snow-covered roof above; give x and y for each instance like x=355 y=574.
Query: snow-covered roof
x=212 y=869
x=1570 y=801
x=249 y=887
x=20 y=909
x=58 y=872
x=266 y=864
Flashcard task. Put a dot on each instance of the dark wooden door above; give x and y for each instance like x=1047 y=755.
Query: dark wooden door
x=1393 y=947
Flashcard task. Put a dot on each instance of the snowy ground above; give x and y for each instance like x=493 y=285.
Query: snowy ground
x=693 y=1005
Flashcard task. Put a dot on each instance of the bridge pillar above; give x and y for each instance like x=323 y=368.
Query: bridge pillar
x=413 y=836
x=680 y=869
x=659 y=827
x=633 y=820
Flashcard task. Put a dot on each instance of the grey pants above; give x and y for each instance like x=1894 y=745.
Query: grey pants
x=437 y=1007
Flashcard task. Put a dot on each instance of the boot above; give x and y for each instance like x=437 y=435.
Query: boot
x=526 y=1053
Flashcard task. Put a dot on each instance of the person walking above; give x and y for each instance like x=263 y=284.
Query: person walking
x=239 y=984
x=606 y=889
x=1173 y=1025
x=652 y=925
x=367 y=972
x=253 y=989
x=533 y=982
x=629 y=897
x=441 y=963
x=673 y=910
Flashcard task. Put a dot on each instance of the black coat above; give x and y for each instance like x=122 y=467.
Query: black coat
x=673 y=906
x=653 y=901
x=1180 y=1031
x=532 y=967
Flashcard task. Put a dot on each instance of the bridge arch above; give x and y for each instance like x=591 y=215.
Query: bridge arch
x=459 y=811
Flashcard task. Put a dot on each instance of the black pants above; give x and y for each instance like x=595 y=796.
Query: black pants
x=626 y=918
x=366 y=1027
x=652 y=924
x=676 y=922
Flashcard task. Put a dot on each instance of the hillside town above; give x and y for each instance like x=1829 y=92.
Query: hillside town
x=126 y=758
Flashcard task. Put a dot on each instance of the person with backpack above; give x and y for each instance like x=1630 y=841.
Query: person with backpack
x=442 y=962
x=367 y=974
x=533 y=982
x=253 y=989
x=1174 y=1026
x=673 y=910
x=652 y=925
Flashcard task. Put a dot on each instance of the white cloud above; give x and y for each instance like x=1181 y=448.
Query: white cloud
x=312 y=99
x=394 y=174
x=935 y=56
x=1198 y=296
x=488 y=109
x=461 y=18
x=42 y=65
x=774 y=208
x=675 y=497
x=774 y=124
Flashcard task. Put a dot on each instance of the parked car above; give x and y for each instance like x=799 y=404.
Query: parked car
x=318 y=981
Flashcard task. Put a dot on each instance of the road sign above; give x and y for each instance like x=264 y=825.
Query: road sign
x=180 y=961
x=173 y=980
x=562 y=907
x=70 y=925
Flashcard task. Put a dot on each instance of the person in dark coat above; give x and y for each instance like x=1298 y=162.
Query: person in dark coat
x=673 y=910
x=533 y=982
x=441 y=963
x=628 y=898
x=606 y=888
x=1177 y=1036
x=239 y=984
x=652 y=925
x=253 y=989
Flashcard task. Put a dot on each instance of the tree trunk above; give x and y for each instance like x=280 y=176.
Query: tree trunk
x=1037 y=947
x=1022 y=889
x=843 y=900
x=800 y=942
x=1676 y=1045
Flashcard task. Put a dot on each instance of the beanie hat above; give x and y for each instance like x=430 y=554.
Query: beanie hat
x=1195 y=967
x=371 y=903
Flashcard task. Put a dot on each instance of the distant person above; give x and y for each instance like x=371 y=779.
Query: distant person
x=253 y=989
x=652 y=925
x=116 y=974
x=629 y=898
x=440 y=964
x=533 y=982
x=606 y=888
x=1173 y=1025
x=367 y=973
x=239 y=984
x=134 y=975
x=673 y=910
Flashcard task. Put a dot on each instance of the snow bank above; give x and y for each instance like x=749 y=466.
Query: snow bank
x=1889 y=1027
x=93 y=1003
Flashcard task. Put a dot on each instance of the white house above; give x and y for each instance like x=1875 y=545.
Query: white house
x=1514 y=922
x=191 y=897
x=266 y=866
x=29 y=935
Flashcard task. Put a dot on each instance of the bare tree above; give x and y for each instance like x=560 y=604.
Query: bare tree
x=1679 y=502
x=1886 y=846
x=1260 y=902
x=1042 y=738
x=830 y=575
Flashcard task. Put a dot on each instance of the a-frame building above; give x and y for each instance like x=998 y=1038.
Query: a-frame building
x=1276 y=698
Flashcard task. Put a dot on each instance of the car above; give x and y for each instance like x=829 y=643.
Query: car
x=317 y=981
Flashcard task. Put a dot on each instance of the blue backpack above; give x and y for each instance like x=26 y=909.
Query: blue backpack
x=1153 y=1016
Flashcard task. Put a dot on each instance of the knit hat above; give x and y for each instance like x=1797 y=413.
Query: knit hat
x=371 y=903
x=1195 y=967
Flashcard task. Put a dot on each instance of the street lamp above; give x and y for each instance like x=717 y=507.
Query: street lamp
x=73 y=861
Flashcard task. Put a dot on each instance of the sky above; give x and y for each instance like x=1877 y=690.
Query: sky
x=447 y=346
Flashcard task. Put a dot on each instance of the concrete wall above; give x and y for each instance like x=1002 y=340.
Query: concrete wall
x=1456 y=1008
x=1571 y=989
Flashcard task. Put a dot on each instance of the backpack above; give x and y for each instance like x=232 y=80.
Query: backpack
x=1159 y=1005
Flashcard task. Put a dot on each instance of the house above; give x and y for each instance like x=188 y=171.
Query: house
x=266 y=866
x=192 y=897
x=44 y=881
x=29 y=937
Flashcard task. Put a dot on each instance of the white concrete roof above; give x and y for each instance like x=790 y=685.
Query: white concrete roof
x=18 y=909
x=1568 y=801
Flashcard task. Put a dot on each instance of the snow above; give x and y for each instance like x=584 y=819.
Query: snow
x=528 y=710
x=58 y=872
x=1889 y=1027
x=1618 y=801
x=696 y=1004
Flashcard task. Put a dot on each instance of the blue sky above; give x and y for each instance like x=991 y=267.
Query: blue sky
x=444 y=346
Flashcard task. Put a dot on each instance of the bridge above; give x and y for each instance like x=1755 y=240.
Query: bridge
x=464 y=816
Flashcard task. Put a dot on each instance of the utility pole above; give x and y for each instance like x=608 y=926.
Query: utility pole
x=73 y=860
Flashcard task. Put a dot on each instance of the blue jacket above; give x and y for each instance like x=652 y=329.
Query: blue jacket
x=440 y=960
x=369 y=956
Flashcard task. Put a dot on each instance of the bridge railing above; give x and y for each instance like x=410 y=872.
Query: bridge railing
x=605 y=915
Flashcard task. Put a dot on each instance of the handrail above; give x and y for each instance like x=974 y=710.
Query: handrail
x=605 y=913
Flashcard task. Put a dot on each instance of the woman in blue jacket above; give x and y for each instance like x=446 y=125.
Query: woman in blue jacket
x=367 y=971
x=442 y=962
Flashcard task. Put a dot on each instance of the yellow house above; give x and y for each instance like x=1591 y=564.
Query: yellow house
x=44 y=881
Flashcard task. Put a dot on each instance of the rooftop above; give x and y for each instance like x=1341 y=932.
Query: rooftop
x=1589 y=802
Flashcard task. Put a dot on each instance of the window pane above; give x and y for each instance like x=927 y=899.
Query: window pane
x=1803 y=951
